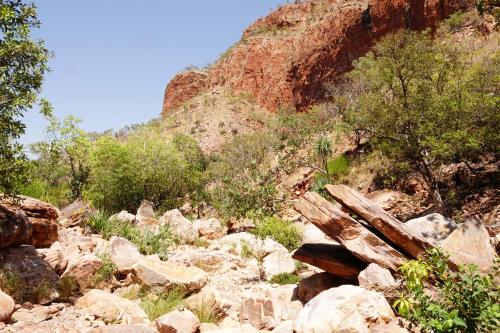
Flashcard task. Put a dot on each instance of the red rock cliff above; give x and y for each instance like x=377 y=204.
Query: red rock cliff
x=286 y=57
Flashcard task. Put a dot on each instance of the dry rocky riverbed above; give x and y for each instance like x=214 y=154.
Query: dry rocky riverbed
x=225 y=277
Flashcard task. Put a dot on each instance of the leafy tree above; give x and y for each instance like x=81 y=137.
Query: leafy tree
x=23 y=64
x=427 y=103
x=63 y=157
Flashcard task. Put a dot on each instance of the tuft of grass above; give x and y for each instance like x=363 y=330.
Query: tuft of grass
x=147 y=242
x=201 y=242
x=246 y=251
x=207 y=314
x=12 y=284
x=67 y=286
x=283 y=232
x=285 y=278
x=158 y=305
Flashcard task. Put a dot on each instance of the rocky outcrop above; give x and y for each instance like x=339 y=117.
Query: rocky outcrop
x=41 y=215
x=183 y=87
x=286 y=57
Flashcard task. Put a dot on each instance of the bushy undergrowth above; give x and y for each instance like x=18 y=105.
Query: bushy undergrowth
x=465 y=301
x=282 y=231
x=147 y=242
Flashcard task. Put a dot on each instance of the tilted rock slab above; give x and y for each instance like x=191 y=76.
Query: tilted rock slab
x=348 y=232
x=399 y=234
x=332 y=258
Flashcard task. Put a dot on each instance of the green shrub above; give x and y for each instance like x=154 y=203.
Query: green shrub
x=12 y=284
x=158 y=305
x=281 y=231
x=105 y=273
x=466 y=301
x=146 y=165
x=147 y=242
x=285 y=278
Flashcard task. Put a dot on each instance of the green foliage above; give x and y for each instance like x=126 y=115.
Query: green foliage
x=296 y=128
x=24 y=64
x=282 y=231
x=145 y=166
x=285 y=278
x=158 y=305
x=338 y=167
x=105 y=273
x=242 y=178
x=147 y=242
x=466 y=301
x=40 y=189
x=425 y=102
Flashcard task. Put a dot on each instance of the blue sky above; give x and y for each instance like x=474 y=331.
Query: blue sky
x=113 y=58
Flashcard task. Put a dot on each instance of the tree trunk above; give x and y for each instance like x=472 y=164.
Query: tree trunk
x=437 y=201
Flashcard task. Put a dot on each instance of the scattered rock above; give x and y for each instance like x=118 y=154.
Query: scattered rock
x=375 y=277
x=178 y=322
x=146 y=217
x=124 y=216
x=270 y=307
x=241 y=225
x=123 y=253
x=278 y=262
x=210 y=228
x=54 y=257
x=284 y=327
x=76 y=213
x=245 y=328
x=470 y=244
x=112 y=308
x=344 y=309
x=6 y=307
x=83 y=269
x=434 y=227
x=391 y=327
x=180 y=226
x=311 y=286
x=163 y=275
x=124 y=329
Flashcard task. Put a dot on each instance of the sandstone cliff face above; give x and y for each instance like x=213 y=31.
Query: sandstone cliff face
x=285 y=58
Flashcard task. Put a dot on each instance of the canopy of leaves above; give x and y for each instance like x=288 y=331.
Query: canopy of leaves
x=23 y=64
